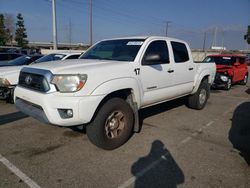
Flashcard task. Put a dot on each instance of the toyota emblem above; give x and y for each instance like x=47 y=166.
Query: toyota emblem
x=28 y=80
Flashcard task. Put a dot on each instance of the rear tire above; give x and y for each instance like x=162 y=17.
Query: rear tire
x=112 y=125
x=199 y=99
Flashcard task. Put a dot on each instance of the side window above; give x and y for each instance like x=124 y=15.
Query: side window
x=73 y=57
x=3 y=57
x=180 y=52
x=14 y=56
x=241 y=60
x=157 y=48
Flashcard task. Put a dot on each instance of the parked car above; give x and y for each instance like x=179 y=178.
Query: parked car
x=22 y=60
x=111 y=81
x=59 y=56
x=5 y=57
x=230 y=69
x=9 y=75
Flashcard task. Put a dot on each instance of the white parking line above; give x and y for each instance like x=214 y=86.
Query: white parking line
x=195 y=133
x=18 y=173
x=142 y=172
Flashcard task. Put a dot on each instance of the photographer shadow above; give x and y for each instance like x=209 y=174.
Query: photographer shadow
x=157 y=169
x=239 y=134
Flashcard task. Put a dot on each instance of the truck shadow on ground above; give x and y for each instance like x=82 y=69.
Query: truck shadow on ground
x=160 y=108
x=8 y=118
x=239 y=134
x=157 y=169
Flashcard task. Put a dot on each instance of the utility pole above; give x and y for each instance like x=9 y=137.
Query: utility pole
x=54 y=25
x=215 y=37
x=204 y=44
x=91 y=31
x=70 y=33
x=167 y=24
x=204 y=41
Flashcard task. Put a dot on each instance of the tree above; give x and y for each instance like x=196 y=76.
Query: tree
x=21 y=35
x=9 y=22
x=3 y=34
x=247 y=35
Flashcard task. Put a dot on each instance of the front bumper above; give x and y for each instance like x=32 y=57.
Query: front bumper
x=45 y=107
x=218 y=82
x=6 y=92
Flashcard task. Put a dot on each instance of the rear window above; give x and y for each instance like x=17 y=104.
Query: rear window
x=226 y=60
x=241 y=60
x=180 y=52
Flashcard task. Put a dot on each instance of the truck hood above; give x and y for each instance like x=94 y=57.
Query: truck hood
x=98 y=71
x=79 y=66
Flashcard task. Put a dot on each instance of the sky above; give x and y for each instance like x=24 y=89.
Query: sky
x=189 y=20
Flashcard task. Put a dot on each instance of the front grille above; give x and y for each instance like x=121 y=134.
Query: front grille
x=33 y=81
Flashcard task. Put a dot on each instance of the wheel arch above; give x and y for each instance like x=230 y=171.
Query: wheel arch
x=202 y=77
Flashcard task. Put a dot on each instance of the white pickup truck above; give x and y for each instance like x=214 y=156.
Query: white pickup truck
x=9 y=74
x=111 y=81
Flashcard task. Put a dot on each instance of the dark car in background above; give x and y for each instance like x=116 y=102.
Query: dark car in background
x=22 y=60
x=5 y=56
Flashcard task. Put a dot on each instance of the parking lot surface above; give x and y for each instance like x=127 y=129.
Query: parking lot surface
x=177 y=147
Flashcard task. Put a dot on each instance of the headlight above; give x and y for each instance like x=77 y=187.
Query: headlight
x=4 y=82
x=224 y=78
x=69 y=83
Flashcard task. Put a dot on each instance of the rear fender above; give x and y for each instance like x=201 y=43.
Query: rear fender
x=204 y=74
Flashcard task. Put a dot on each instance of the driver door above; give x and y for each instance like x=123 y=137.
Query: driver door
x=157 y=75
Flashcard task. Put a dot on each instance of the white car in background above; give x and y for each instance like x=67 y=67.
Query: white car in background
x=9 y=75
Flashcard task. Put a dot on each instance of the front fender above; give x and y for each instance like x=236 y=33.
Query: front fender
x=119 y=84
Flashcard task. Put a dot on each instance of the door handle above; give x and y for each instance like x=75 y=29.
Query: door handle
x=170 y=70
x=191 y=68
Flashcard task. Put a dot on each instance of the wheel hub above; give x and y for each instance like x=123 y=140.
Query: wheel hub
x=202 y=96
x=115 y=124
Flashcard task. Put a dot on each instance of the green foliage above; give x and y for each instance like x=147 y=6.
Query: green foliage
x=21 y=35
x=3 y=32
x=247 y=35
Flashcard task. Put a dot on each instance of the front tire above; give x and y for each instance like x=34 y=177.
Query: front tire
x=112 y=125
x=228 y=84
x=199 y=99
x=244 y=81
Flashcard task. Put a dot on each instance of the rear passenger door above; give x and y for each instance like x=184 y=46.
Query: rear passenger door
x=184 y=68
x=242 y=68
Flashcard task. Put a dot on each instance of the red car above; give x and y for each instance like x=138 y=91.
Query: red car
x=230 y=69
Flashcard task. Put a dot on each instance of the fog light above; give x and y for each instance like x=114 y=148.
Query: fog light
x=69 y=113
x=66 y=113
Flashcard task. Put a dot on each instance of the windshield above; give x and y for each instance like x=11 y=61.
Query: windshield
x=23 y=60
x=117 y=50
x=50 y=57
x=220 y=60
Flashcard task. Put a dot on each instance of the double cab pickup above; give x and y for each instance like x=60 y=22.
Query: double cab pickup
x=105 y=88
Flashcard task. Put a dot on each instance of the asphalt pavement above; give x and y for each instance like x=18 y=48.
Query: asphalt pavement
x=177 y=147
